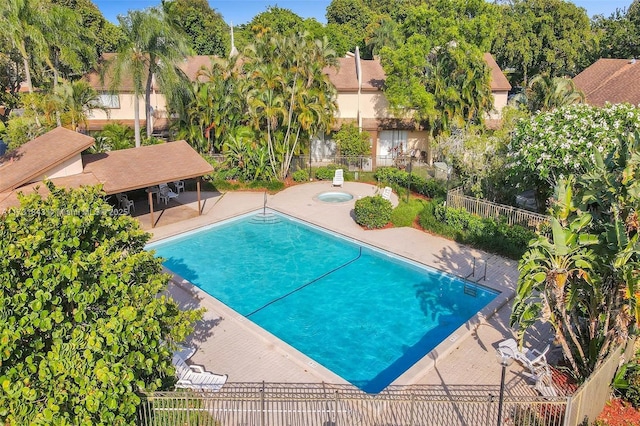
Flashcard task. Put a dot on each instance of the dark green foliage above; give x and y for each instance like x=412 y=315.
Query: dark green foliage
x=301 y=175
x=373 y=212
x=83 y=324
x=487 y=234
x=206 y=30
x=326 y=173
x=399 y=179
x=352 y=142
x=626 y=382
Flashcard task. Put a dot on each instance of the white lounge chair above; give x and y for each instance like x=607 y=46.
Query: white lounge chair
x=338 y=178
x=195 y=377
x=166 y=193
x=386 y=193
x=535 y=361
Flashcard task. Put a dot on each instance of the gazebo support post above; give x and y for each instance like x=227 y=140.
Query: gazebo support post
x=198 y=189
x=153 y=225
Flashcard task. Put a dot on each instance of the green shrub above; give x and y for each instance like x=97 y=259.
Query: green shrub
x=405 y=213
x=400 y=179
x=373 y=212
x=301 y=175
x=327 y=172
x=488 y=234
x=626 y=383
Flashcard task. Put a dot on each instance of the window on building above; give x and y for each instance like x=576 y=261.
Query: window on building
x=109 y=100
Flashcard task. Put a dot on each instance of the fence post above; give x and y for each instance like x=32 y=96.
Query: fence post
x=262 y=409
x=335 y=410
x=568 y=411
x=412 y=409
x=489 y=409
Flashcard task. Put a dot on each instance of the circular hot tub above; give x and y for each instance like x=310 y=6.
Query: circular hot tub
x=334 y=197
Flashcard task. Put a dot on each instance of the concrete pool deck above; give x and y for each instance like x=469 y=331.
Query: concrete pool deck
x=228 y=343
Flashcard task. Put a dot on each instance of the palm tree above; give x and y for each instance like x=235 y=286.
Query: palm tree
x=151 y=51
x=78 y=99
x=384 y=34
x=545 y=93
x=292 y=98
x=24 y=23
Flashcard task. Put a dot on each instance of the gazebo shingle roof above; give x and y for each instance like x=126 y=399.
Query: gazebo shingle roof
x=134 y=168
x=35 y=158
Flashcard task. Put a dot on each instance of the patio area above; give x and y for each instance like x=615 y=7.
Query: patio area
x=228 y=343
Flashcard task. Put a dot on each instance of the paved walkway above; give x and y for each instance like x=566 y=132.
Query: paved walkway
x=228 y=343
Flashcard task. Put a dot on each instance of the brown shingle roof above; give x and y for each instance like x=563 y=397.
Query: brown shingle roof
x=610 y=80
x=190 y=66
x=10 y=199
x=345 y=79
x=129 y=169
x=498 y=80
x=35 y=158
x=373 y=75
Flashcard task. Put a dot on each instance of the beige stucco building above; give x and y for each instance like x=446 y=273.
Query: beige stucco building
x=364 y=104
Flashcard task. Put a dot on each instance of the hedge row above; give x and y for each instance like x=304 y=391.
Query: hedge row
x=488 y=234
x=397 y=178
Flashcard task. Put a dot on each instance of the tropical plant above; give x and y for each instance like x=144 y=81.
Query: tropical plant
x=554 y=144
x=448 y=87
x=583 y=278
x=117 y=136
x=24 y=24
x=546 y=93
x=77 y=100
x=84 y=319
x=290 y=97
x=151 y=50
x=383 y=33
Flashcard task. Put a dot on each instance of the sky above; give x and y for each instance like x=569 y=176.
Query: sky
x=242 y=11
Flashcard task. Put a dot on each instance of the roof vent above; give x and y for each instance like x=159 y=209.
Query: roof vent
x=632 y=61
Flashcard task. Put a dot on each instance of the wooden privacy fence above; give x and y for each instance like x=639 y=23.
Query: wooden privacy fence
x=487 y=209
x=272 y=404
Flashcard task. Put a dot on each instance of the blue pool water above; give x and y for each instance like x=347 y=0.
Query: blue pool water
x=364 y=314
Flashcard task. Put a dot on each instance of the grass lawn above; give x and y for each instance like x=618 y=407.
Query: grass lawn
x=405 y=213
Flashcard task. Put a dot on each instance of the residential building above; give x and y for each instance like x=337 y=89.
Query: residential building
x=610 y=80
x=361 y=102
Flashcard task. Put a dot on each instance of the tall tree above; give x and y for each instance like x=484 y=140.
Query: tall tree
x=618 y=34
x=105 y=35
x=447 y=87
x=24 y=23
x=151 y=51
x=471 y=21
x=551 y=37
x=291 y=97
x=206 y=31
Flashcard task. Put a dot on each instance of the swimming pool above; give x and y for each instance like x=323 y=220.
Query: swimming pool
x=365 y=314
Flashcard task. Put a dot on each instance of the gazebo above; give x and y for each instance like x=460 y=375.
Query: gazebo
x=57 y=156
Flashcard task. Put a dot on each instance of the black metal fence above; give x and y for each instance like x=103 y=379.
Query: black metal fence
x=273 y=404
